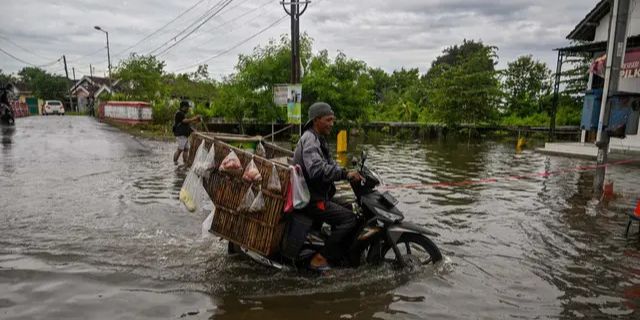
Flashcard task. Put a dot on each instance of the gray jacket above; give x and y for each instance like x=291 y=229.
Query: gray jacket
x=319 y=168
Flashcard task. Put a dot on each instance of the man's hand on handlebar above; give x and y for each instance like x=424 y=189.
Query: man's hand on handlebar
x=354 y=176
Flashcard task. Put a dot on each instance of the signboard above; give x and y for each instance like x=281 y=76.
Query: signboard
x=280 y=94
x=294 y=103
x=630 y=67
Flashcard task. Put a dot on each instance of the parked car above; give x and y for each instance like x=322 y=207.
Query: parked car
x=53 y=107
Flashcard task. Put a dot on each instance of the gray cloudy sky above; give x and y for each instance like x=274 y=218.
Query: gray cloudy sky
x=384 y=33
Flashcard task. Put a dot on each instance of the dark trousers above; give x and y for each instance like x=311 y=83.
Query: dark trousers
x=342 y=222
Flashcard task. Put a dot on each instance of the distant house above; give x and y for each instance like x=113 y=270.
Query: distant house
x=592 y=34
x=95 y=87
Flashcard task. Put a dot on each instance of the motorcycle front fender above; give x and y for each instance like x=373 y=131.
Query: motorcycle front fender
x=396 y=230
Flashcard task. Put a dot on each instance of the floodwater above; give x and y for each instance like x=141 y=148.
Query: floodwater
x=91 y=228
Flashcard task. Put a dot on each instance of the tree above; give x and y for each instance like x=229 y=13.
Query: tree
x=343 y=83
x=43 y=84
x=6 y=78
x=464 y=89
x=526 y=81
x=141 y=77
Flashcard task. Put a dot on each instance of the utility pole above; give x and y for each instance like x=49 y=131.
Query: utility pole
x=90 y=71
x=66 y=72
x=295 y=13
x=74 y=73
x=616 y=47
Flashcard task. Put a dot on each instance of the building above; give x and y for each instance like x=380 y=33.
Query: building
x=91 y=87
x=592 y=34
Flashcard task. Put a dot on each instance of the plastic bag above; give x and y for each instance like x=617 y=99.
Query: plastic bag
x=274 y=181
x=206 y=162
x=251 y=173
x=191 y=191
x=288 y=199
x=258 y=204
x=199 y=161
x=206 y=224
x=300 y=195
x=231 y=164
x=247 y=201
x=260 y=151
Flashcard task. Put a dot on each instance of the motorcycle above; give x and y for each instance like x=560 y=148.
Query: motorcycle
x=382 y=235
x=6 y=113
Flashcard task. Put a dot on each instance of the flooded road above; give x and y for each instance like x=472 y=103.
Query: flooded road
x=91 y=228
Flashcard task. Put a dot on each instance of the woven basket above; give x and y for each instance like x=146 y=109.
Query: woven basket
x=260 y=232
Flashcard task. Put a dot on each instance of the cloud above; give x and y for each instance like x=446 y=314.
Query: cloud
x=386 y=34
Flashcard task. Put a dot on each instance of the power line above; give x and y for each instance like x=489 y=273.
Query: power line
x=205 y=17
x=18 y=59
x=23 y=48
x=194 y=30
x=234 y=19
x=159 y=29
x=235 y=46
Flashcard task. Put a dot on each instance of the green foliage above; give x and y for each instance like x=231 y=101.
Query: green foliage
x=6 y=78
x=44 y=85
x=164 y=111
x=526 y=81
x=141 y=77
x=343 y=83
x=463 y=87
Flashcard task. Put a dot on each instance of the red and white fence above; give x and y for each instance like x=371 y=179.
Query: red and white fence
x=132 y=112
x=20 y=109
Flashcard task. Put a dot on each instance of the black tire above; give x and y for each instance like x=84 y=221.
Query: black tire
x=416 y=249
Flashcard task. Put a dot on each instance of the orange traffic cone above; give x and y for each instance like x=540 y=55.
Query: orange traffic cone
x=637 y=211
x=607 y=192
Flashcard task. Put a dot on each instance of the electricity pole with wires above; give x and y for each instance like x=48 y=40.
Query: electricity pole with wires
x=294 y=12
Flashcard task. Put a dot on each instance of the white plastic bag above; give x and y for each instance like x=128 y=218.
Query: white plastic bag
x=260 y=151
x=301 y=195
x=199 y=161
x=247 y=201
x=191 y=191
x=274 y=181
x=206 y=224
x=258 y=204
x=251 y=173
x=231 y=164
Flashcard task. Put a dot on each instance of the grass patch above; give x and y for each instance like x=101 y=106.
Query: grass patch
x=161 y=132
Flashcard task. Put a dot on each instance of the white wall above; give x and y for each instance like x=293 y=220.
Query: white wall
x=602 y=30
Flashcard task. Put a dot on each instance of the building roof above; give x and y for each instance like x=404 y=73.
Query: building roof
x=600 y=46
x=586 y=29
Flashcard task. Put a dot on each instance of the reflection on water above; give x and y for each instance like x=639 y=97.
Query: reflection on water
x=92 y=226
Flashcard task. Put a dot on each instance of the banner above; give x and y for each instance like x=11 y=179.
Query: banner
x=294 y=104
x=630 y=67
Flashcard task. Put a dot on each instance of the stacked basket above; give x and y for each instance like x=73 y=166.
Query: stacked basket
x=259 y=232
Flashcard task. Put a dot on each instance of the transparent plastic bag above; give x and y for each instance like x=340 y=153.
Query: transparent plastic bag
x=258 y=204
x=231 y=164
x=251 y=173
x=301 y=195
x=260 y=151
x=247 y=201
x=191 y=191
x=274 y=181
x=206 y=224
x=199 y=161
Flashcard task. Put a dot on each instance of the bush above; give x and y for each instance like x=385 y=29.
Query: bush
x=164 y=111
x=568 y=116
x=535 y=120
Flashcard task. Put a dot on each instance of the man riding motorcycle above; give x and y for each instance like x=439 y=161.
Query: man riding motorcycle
x=320 y=172
x=6 y=114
